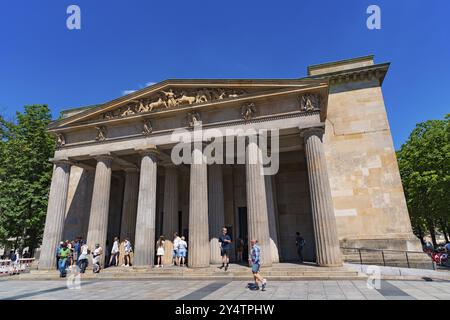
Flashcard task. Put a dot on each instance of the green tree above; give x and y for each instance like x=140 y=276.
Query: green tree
x=424 y=162
x=25 y=176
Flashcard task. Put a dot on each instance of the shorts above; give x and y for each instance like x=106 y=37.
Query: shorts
x=224 y=252
x=159 y=252
x=181 y=254
x=175 y=253
x=255 y=267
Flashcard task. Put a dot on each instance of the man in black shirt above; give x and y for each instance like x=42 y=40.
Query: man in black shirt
x=225 y=248
x=300 y=243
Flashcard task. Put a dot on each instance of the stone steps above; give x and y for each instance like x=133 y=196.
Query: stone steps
x=290 y=272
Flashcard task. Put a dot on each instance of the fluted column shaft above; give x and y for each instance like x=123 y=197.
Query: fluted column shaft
x=216 y=210
x=170 y=212
x=146 y=212
x=199 y=251
x=271 y=214
x=129 y=207
x=98 y=219
x=324 y=221
x=258 y=223
x=54 y=222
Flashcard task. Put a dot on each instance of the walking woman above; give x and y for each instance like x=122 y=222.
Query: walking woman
x=160 y=252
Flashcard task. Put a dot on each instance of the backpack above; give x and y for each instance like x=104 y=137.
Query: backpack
x=13 y=257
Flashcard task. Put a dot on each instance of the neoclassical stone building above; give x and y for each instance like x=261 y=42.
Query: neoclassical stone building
x=338 y=182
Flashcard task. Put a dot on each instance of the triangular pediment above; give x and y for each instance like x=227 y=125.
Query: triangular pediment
x=173 y=94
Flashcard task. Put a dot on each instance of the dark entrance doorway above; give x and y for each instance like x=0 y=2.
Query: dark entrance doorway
x=243 y=230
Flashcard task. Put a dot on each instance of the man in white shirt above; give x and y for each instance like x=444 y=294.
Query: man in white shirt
x=176 y=243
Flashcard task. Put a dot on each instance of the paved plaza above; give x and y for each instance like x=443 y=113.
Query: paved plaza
x=222 y=290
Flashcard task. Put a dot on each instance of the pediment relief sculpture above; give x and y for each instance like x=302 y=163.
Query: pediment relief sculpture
x=101 y=133
x=172 y=98
x=310 y=102
x=248 y=111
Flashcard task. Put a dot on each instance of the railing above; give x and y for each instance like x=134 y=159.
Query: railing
x=387 y=257
x=7 y=267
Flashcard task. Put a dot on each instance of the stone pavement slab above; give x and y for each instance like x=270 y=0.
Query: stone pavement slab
x=222 y=290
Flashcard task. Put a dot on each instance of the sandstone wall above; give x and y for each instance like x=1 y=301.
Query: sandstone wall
x=368 y=196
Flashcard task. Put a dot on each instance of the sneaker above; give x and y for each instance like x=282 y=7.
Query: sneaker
x=226 y=267
x=263 y=287
x=221 y=267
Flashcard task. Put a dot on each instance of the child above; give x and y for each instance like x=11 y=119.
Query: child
x=160 y=252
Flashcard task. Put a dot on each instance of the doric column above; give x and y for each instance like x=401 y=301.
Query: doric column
x=216 y=215
x=98 y=220
x=258 y=222
x=324 y=221
x=54 y=221
x=129 y=207
x=170 y=212
x=199 y=252
x=144 y=252
x=272 y=218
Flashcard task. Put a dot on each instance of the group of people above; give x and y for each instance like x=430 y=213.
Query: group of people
x=77 y=253
x=439 y=254
x=179 y=251
x=70 y=253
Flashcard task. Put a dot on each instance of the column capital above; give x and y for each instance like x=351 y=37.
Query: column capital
x=103 y=157
x=315 y=131
x=61 y=162
x=152 y=152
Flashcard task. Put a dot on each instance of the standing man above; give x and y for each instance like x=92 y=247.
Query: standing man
x=225 y=248
x=300 y=243
x=255 y=260
x=176 y=243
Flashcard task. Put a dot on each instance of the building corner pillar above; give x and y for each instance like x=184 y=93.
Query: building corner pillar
x=325 y=230
x=56 y=210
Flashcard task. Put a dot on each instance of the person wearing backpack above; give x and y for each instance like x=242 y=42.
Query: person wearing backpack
x=300 y=243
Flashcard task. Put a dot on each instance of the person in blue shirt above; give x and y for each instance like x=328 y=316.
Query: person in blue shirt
x=255 y=260
x=225 y=248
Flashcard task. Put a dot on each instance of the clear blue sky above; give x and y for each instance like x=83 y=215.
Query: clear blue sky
x=124 y=45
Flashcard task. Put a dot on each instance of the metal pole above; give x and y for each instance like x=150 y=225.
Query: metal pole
x=360 y=257
x=407 y=260
x=382 y=254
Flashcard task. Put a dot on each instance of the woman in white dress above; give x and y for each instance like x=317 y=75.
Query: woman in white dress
x=160 y=252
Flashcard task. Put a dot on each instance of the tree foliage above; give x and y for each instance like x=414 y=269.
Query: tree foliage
x=424 y=162
x=25 y=176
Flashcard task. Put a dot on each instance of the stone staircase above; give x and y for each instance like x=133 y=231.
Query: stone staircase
x=281 y=271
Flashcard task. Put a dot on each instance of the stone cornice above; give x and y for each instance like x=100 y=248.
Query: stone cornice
x=221 y=124
x=377 y=71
